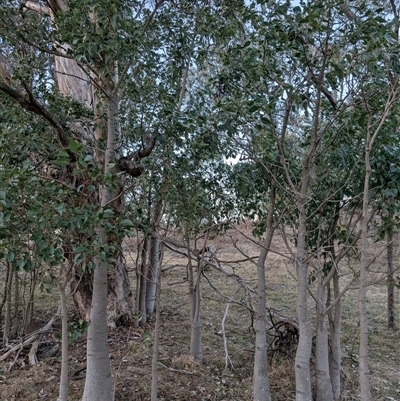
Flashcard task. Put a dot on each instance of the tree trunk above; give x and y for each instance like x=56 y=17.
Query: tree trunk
x=154 y=260
x=335 y=358
x=365 y=391
x=63 y=393
x=75 y=82
x=196 y=349
x=98 y=383
x=152 y=273
x=7 y=298
x=323 y=380
x=261 y=389
x=390 y=269
x=120 y=296
x=142 y=273
x=303 y=353
x=28 y=315
x=154 y=371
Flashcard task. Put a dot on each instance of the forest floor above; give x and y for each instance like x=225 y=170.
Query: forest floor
x=179 y=377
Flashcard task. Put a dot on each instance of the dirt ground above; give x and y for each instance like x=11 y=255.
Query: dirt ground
x=214 y=379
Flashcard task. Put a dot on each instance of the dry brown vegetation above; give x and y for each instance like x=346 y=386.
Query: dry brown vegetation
x=179 y=377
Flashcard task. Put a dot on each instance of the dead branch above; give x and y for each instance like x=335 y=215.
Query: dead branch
x=29 y=339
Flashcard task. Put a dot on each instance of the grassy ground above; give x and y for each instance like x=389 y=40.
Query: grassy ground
x=179 y=377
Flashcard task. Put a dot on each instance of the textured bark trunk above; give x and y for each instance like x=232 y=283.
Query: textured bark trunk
x=82 y=288
x=261 y=389
x=390 y=271
x=323 y=380
x=120 y=296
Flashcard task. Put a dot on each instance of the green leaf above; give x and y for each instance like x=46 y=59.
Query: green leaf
x=74 y=146
x=127 y=223
x=108 y=213
x=62 y=158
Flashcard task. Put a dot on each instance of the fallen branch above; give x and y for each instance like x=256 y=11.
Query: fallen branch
x=29 y=339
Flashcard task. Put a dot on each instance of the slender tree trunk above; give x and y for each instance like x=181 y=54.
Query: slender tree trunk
x=7 y=297
x=63 y=393
x=335 y=358
x=196 y=349
x=324 y=384
x=154 y=371
x=143 y=282
x=152 y=273
x=16 y=294
x=304 y=347
x=154 y=259
x=303 y=353
x=390 y=278
x=31 y=298
x=365 y=391
x=261 y=389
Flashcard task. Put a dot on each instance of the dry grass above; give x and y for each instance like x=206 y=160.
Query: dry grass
x=181 y=379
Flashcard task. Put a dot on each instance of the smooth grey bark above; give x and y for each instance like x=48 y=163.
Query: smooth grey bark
x=303 y=353
x=98 y=383
x=390 y=271
x=261 y=388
